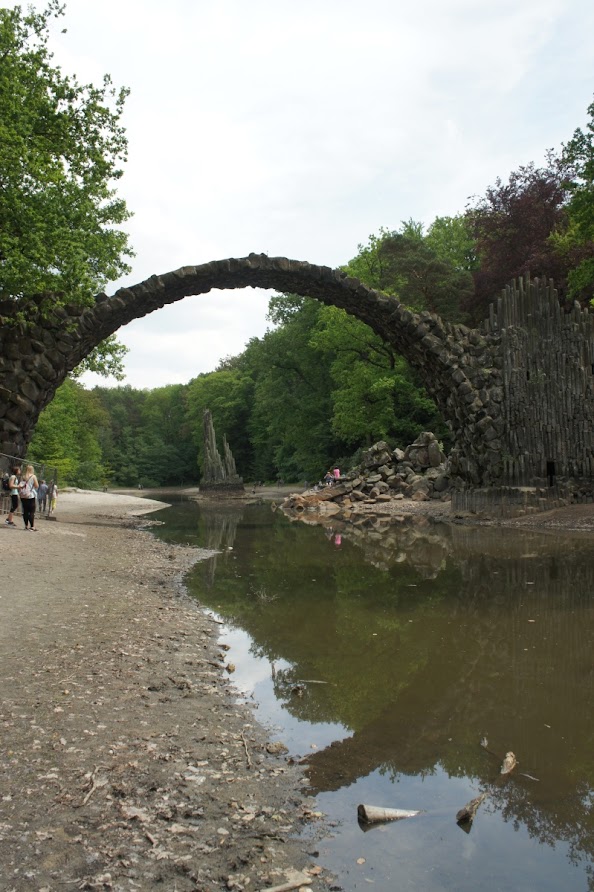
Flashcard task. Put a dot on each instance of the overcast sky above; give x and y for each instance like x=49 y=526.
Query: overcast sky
x=300 y=128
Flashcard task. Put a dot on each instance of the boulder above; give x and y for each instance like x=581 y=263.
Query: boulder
x=441 y=483
x=435 y=454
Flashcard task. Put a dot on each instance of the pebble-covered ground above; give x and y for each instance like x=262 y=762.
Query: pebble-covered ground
x=126 y=762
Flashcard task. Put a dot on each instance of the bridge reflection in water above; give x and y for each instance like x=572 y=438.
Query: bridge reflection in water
x=426 y=637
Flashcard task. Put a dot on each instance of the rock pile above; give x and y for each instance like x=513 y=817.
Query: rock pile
x=419 y=472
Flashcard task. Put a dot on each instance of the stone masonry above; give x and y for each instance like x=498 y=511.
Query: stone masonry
x=420 y=472
x=517 y=392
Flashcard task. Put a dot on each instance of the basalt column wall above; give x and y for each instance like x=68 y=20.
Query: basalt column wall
x=547 y=361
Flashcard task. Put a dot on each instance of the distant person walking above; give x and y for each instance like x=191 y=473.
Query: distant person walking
x=13 y=488
x=28 y=493
x=42 y=496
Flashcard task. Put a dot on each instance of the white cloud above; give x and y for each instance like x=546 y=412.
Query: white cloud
x=299 y=129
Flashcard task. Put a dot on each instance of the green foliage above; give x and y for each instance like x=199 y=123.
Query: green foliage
x=67 y=436
x=106 y=359
x=407 y=265
x=290 y=425
x=119 y=436
x=578 y=162
x=452 y=241
x=148 y=438
x=61 y=150
x=375 y=394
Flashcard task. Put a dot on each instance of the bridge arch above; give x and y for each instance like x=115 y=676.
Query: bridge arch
x=463 y=369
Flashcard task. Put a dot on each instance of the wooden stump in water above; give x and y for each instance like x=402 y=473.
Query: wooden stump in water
x=466 y=815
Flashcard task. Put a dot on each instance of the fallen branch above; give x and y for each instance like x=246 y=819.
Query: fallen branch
x=247 y=755
x=373 y=814
x=96 y=783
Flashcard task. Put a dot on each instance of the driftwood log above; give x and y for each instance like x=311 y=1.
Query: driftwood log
x=294 y=883
x=373 y=814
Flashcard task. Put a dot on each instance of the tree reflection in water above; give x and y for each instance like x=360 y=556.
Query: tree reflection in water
x=427 y=637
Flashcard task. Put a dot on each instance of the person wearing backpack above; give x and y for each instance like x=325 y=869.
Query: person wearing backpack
x=28 y=493
x=13 y=489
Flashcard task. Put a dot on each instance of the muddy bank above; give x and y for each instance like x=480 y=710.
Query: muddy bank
x=126 y=761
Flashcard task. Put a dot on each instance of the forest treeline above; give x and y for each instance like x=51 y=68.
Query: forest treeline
x=320 y=386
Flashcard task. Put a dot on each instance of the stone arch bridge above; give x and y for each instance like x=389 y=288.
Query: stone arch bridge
x=517 y=392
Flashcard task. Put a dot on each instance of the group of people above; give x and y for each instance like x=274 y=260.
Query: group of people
x=329 y=479
x=31 y=493
x=331 y=476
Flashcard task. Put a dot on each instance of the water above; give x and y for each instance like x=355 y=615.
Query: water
x=385 y=657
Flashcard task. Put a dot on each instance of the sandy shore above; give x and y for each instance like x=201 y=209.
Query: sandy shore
x=126 y=762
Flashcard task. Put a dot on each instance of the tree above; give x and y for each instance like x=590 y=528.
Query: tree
x=121 y=436
x=61 y=150
x=375 y=394
x=513 y=226
x=578 y=166
x=405 y=263
x=67 y=436
x=452 y=241
x=170 y=459
x=106 y=359
x=290 y=422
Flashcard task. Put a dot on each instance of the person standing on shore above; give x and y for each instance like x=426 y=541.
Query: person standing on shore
x=53 y=496
x=42 y=496
x=28 y=493
x=13 y=485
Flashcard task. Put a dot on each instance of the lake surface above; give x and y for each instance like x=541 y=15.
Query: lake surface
x=386 y=656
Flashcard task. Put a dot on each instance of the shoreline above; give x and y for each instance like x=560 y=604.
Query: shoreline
x=128 y=760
